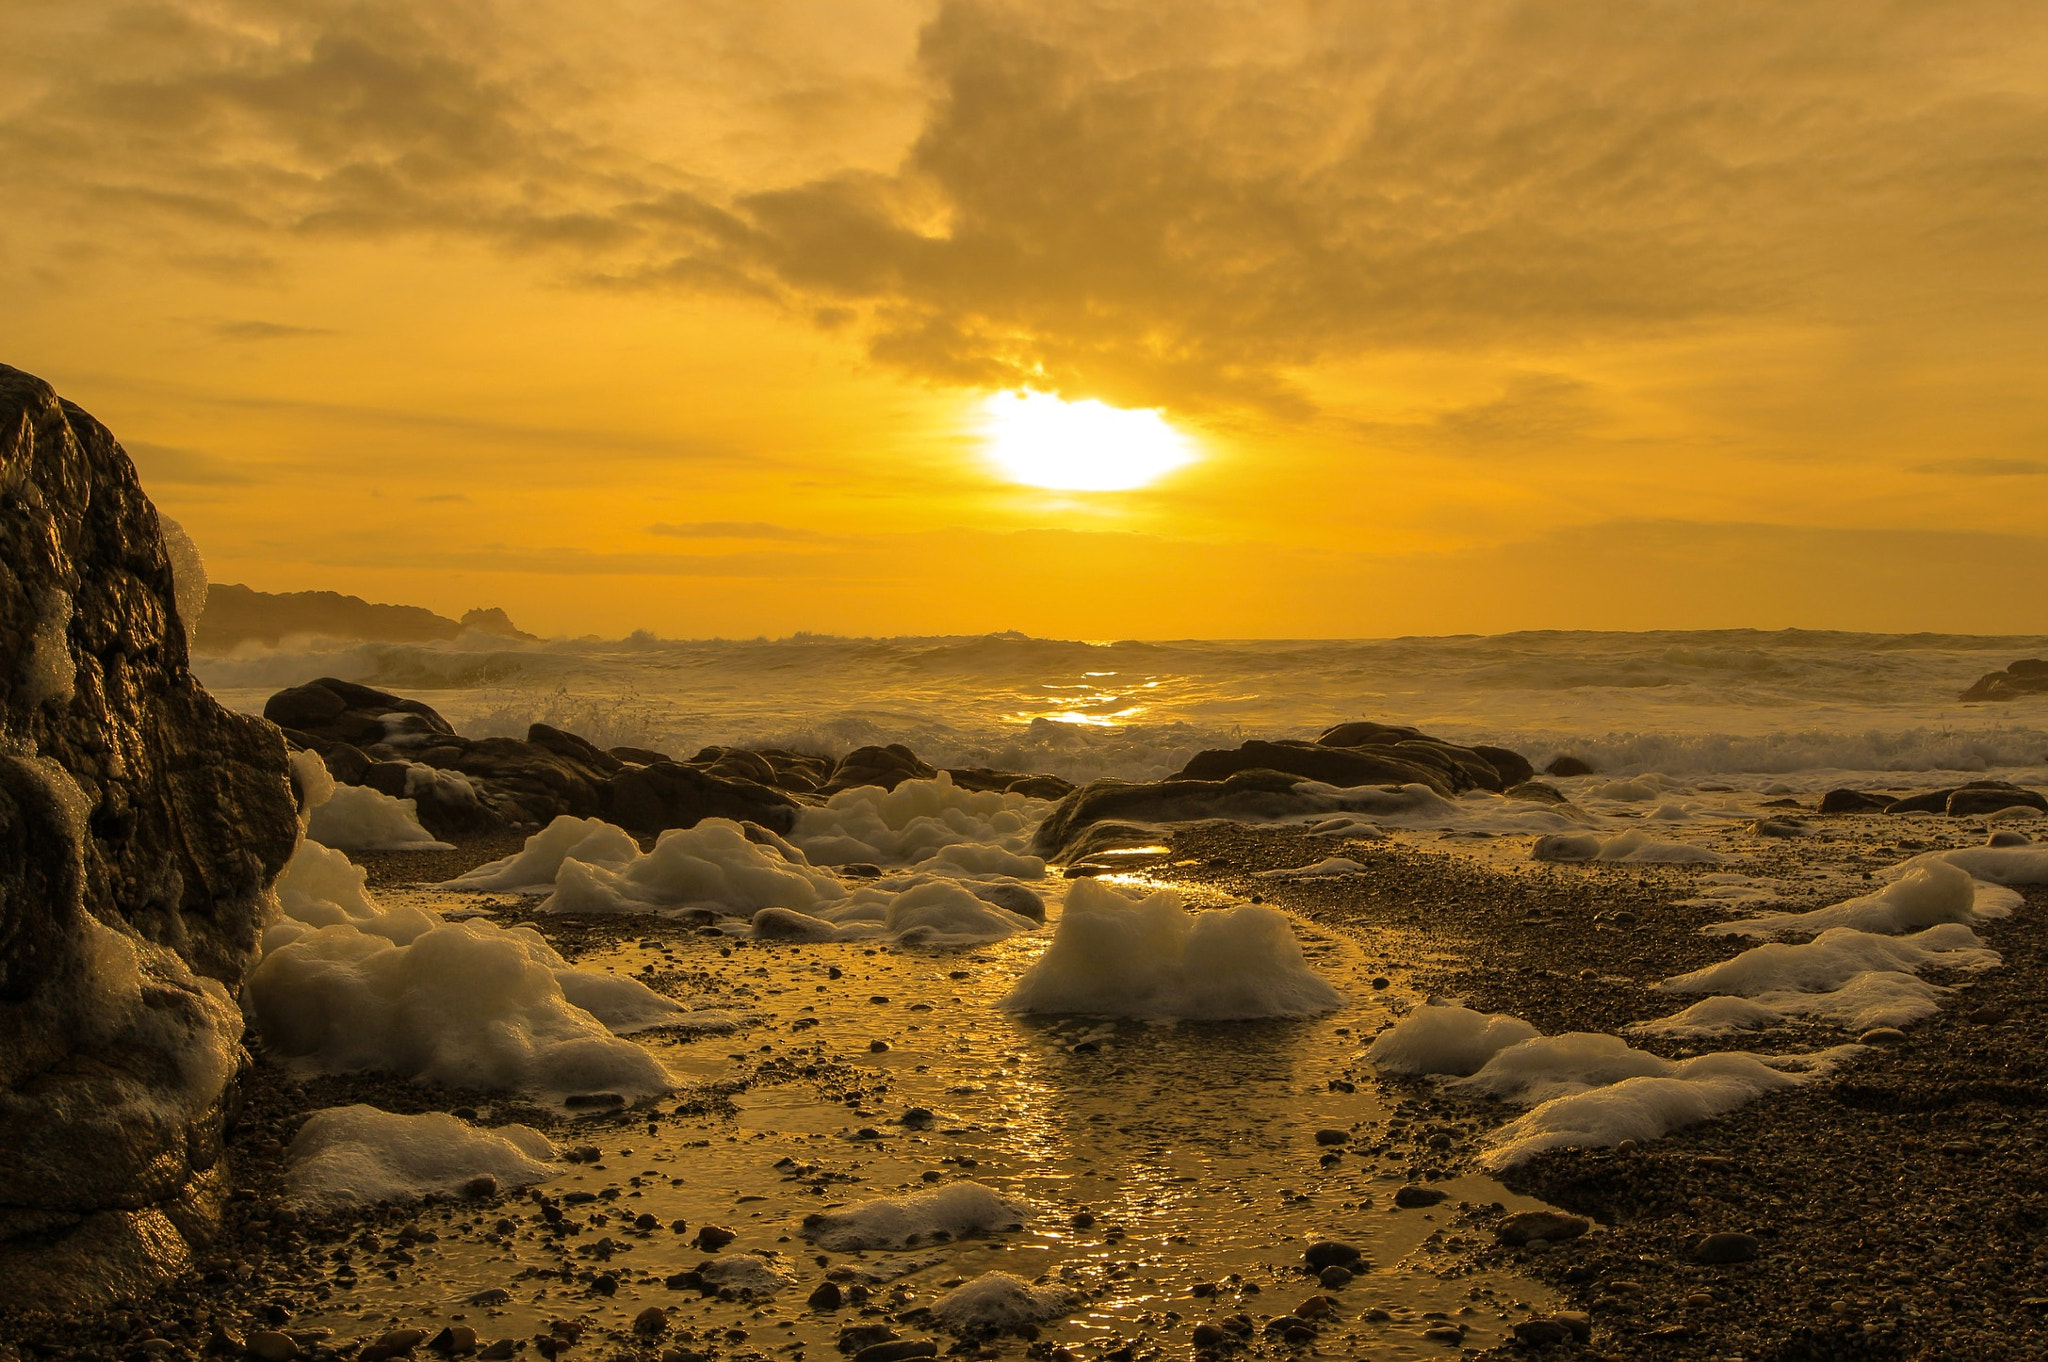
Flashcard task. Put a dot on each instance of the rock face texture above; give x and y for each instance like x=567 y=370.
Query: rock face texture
x=141 y=826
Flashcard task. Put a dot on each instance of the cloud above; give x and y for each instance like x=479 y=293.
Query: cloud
x=1986 y=468
x=1187 y=207
x=171 y=464
x=734 y=529
x=251 y=330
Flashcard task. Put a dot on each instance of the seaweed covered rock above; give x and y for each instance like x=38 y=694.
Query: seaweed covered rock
x=141 y=826
x=1367 y=753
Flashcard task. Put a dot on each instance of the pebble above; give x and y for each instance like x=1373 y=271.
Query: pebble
x=652 y=1320
x=1332 y=1253
x=1332 y=1136
x=272 y=1346
x=1444 y=1333
x=1524 y=1227
x=827 y=1296
x=1411 y=1197
x=1725 y=1247
x=457 y=1340
x=1211 y=1335
x=1541 y=1333
x=712 y=1238
x=1334 y=1278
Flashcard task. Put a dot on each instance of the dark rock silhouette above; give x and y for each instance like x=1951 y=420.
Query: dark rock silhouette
x=2023 y=678
x=237 y=614
x=141 y=825
x=464 y=787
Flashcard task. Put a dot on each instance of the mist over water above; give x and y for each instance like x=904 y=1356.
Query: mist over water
x=1794 y=704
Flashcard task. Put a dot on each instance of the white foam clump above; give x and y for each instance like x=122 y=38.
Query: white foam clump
x=712 y=865
x=355 y=817
x=1446 y=1039
x=1835 y=957
x=1584 y=1088
x=1872 y=998
x=1329 y=868
x=930 y=912
x=1633 y=847
x=1995 y=865
x=1648 y=1108
x=999 y=1300
x=1113 y=955
x=321 y=887
x=899 y=1222
x=1931 y=892
x=532 y=869
x=347 y=985
x=356 y=1155
x=919 y=821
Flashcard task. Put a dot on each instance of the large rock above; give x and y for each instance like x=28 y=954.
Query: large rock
x=1367 y=753
x=1243 y=796
x=141 y=826
x=668 y=794
x=2028 y=676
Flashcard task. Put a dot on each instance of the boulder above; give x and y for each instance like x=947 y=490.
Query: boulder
x=1854 y=801
x=669 y=794
x=1975 y=801
x=1344 y=767
x=141 y=826
x=1010 y=782
x=1483 y=767
x=887 y=767
x=1566 y=766
x=332 y=710
x=2023 y=678
x=1976 y=797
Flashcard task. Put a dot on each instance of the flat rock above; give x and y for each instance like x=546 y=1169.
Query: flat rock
x=1525 y=1227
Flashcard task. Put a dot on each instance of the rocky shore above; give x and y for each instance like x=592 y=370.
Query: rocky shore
x=1896 y=1212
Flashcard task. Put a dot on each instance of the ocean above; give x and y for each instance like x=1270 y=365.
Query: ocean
x=1806 y=709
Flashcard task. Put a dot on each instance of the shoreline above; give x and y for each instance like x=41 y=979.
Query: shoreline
x=1891 y=1203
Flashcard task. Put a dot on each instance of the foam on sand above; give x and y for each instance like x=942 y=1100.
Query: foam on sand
x=1872 y=998
x=355 y=817
x=996 y=1301
x=1583 y=1088
x=1329 y=868
x=466 y=1004
x=713 y=865
x=1835 y=957
x=1116 y=956
x=532 y=869
x=918 y=1217
x=346 y=985
x=1445 y=1038
x=1633 y=847
x=353 y=1156
x=917 y=821
x=1929 y=893
x=1996 y=865
x=1646 y=1108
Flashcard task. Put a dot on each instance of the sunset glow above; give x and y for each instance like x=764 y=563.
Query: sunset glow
x=1042 y=441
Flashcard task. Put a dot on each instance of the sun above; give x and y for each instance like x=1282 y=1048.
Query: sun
x=1039 y=440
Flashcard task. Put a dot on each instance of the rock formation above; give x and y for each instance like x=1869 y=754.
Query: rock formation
x=141 y=826
x=2029 y=676
x=465 y=786
x=235 y=615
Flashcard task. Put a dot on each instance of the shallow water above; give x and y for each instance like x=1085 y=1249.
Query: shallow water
x=1191 y=1146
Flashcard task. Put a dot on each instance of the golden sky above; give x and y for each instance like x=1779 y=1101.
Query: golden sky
x=679 y=314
